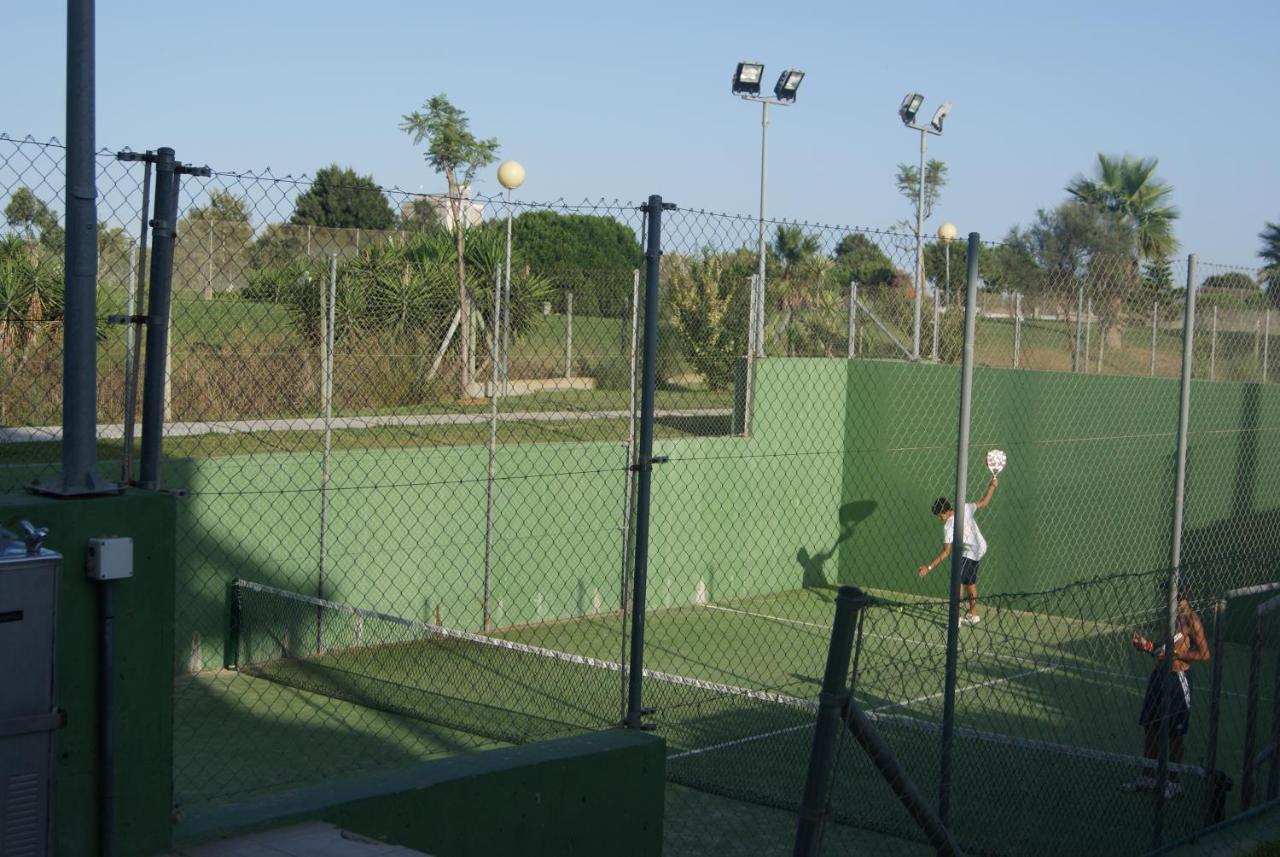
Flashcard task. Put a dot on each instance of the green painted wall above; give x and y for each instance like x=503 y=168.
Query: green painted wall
x=592 y=794
x=144 y=609
x=834 y=485
x=1089 y=487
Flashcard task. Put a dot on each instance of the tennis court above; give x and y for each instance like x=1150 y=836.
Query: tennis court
x=1046 y=703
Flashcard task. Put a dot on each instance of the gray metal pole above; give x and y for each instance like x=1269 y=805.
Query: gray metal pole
x=644 y=460
x=1175 y=547
x=919 y=284
x=494 y=392
x=130 y=346
x=80 y=346
x=826 y=732
x=134 y=365
x=1088 y=333
x=1075 y=356
x=629 y=500
x=328 y=312
x=568 y=337
x=1266 y=337
x=760 y=273
x=748 y=394
x=1213 y=348
x=1155 y=314
x=937 y=315
x=1017 y=330
x=957 y=539
x=164 y=231
x=506 y=308
x=853 y=319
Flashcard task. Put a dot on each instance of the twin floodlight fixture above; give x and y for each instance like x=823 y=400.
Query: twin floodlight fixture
x=911 y=107
x=748 y=75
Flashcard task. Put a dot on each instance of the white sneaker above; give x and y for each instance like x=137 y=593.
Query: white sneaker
x=1172 y=789
x=1143 y=783
x=973 y=618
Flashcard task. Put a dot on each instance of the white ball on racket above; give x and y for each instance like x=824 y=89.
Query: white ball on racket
x=996 y=460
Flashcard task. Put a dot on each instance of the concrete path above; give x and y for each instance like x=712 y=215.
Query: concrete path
x=46 y=434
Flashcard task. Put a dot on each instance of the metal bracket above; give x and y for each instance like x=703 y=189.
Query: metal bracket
x=657 y=459
x=666 y=206
x=127 y=319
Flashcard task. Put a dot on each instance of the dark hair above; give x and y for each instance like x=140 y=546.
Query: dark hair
x=941 y=505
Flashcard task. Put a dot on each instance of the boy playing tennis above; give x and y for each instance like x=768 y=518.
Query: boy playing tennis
x=975 y=546
x=1189 y=646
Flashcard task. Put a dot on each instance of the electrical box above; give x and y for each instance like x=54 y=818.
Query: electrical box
x=29 y=715
x=110 y=559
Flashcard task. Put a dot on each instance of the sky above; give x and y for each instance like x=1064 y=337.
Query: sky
x=605 y=100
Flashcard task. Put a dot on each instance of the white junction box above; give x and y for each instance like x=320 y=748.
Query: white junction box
x=110 y=558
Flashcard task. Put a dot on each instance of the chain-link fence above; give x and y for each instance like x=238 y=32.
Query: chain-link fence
x=409 y=492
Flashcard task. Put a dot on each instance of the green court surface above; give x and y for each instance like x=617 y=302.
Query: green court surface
x=1046 y=708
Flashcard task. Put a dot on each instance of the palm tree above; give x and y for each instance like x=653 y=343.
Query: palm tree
x=795 y=249
x=1270 y=253
x=1129 y=188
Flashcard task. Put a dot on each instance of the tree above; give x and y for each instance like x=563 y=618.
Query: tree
x=1233 y=280
x=706 y=295
x=33 y=216
x=1270 y=254
x=339 y=198
x=31 y=293
x=454 y=152
x=859 y=259
x=577 y=251
x=908 y=180
x=212 y=242
x=1128 y=187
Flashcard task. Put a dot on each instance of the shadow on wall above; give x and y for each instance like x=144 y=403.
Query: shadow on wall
x=813 y=573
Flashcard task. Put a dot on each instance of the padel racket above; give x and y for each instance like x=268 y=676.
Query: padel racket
x=996 y=460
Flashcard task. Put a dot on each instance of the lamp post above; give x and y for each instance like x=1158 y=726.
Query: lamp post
x=510 y=176
x=907 y=112
x=746 y=85
x=947 y=232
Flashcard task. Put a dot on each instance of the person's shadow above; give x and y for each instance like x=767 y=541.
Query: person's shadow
x=813 y=566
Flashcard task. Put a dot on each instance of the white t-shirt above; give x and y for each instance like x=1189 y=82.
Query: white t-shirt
x=975 y=546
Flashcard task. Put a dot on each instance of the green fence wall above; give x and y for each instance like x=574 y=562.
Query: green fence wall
x=833 y=485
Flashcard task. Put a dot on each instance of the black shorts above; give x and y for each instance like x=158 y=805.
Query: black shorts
x=968 y=571
x=1178 y=686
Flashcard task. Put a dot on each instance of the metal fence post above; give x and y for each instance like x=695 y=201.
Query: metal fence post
x=853 y=319
x=1175 y=547
x=629 y=500
x=155 y=385
x=1266 y=341
x=496 y=360
x=568 y=335
x=1075 y=355
x=1017 y=330
x=1155 y=314
x=1088 y=333
x=328 y=314
x=645 y=461
x=1213 y=347
x=957 y=539
x=936 y=316
x=1215 y=706
x=831 y=704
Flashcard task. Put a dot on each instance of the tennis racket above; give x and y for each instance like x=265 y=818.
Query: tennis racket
x=996 y=460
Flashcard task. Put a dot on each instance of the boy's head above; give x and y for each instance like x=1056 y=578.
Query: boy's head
x=1184 y=598
x=941 y=508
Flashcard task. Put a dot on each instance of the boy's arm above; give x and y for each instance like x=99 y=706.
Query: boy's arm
x=991 y=490
x=936 y=561
x=1197 y=647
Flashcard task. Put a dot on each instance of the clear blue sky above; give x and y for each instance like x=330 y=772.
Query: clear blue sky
x=620 y=100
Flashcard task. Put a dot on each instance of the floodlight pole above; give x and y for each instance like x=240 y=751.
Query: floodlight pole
x=925 y=131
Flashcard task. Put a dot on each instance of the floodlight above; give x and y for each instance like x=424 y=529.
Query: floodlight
x=936 y=123
x=746 y=78
x=910 y=107
x=788 y=83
